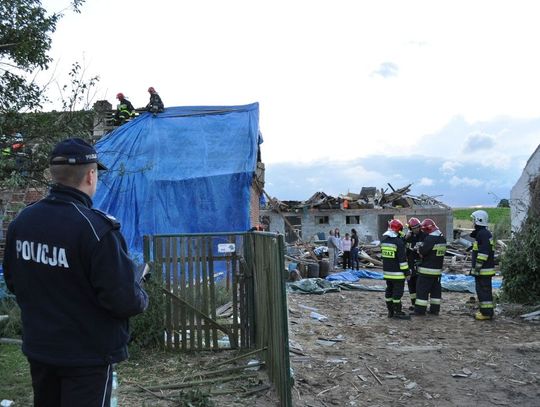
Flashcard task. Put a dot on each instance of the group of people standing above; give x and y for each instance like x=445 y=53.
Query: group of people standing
x=125 y=110
x=348 y=245
x=417 y=257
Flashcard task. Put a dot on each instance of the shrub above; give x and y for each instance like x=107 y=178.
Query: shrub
x=520 y=263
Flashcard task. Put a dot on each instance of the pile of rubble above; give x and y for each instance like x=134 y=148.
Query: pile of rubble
x=457 y=259
x=368 y=198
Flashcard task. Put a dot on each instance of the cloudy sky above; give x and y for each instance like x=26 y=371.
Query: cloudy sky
x=441 y=94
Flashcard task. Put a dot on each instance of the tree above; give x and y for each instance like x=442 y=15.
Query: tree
x=504 y=203
x=25 y=39
x=40 y=131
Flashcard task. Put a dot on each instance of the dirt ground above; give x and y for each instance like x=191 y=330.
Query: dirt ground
x=356 y=356
x=446 y=360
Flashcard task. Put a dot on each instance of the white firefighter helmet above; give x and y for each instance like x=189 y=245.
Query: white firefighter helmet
x=480 y=218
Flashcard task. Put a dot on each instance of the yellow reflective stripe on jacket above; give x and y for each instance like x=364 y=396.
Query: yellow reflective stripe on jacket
x=393 y=275
x=388 y=250
x=429 y=272
x=487 y=272
x=404 y=266
x=440 y=249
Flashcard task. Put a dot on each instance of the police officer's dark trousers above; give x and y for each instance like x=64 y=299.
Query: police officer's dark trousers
x=64 y=386
x=393 y=294
x=428 y=291
x=485 y=294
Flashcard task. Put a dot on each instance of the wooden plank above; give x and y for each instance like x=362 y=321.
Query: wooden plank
x=205 y=291
x=183 y=271
x=234 y=291
x=198 y=312
x=190 y=290
x=176 y=310
x=198 y=293
x=170 y=305
x=210 y=255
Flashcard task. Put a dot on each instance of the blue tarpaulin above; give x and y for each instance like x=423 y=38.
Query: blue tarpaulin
x=450 y=282
x=187 y=170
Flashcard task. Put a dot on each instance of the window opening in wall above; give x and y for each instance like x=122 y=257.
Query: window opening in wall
x=352 y=220
x=322 y=220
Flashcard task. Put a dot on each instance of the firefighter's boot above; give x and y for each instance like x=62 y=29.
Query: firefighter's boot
x=398 y=313
x=481 y=317
x=390 y=307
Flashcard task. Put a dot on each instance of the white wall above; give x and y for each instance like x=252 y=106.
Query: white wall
x=520 y=197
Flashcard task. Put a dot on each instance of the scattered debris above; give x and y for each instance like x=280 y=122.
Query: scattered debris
x=531 y=316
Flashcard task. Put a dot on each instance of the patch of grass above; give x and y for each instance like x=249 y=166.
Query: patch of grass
x=12 y=327
x=15 y=381
x=496 y=215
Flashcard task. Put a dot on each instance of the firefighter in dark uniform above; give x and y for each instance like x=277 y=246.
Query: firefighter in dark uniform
x=69 y=269
x=483 y=264
x=428 y=284
x=124 y=110
x=155 y=105
x=395 y=268
x=412 y=238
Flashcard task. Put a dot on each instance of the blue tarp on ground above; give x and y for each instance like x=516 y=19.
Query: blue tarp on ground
x=450 y=282
x=187 y=170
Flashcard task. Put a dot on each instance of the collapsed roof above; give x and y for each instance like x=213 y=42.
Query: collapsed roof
x=368 y=198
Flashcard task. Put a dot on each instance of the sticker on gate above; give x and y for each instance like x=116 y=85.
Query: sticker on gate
x=226 y=248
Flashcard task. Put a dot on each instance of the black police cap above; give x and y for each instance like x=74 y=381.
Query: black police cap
x=75 y=151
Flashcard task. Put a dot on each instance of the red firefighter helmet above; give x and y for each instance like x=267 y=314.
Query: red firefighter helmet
x=428 y=226
x=395 y=225
x=151 y=89
x=413 y=223
x=120 y=96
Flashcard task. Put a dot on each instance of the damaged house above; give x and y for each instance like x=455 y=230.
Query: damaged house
x=368 y=212
x=520 y=195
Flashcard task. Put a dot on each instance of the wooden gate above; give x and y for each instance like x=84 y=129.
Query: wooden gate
x=241 y=273
x=205 y=288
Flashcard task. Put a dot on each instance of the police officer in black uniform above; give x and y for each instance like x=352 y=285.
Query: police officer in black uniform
x=68 y=266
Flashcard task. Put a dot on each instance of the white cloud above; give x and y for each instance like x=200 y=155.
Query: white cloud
x=424 y=181
x=478 y=141
x=450 y=167
x=465 y=181
x=387 y=70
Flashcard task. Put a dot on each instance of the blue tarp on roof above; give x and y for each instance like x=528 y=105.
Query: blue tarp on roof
x=186 y=170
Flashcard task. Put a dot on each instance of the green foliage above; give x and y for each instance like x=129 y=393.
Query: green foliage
x=496 y=215
x=147 y=328
x=15 y=381
x=12 y=327
x=503 y=229
x=25 y=39
x=503 y=203
x=520 y=265
x=41 y=131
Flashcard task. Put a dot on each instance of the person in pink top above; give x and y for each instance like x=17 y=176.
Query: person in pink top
x=346 y=243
